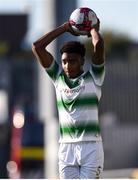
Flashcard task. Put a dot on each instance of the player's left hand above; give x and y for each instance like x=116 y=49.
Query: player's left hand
x=96 y=27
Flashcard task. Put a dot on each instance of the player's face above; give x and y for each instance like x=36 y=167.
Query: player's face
x=72 y=64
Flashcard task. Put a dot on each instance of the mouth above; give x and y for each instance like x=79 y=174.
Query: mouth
x=71 y=74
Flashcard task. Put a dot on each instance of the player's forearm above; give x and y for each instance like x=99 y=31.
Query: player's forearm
x=98 y=45
x=49 y=37
x=39 y=47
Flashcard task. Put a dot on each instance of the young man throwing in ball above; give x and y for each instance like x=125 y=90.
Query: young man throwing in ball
x=78 y=94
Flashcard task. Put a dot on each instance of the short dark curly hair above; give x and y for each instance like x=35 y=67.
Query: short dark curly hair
x=73 y=47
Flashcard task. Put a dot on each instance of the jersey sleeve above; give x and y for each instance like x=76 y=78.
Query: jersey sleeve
x=98 y=73
x=53 y=70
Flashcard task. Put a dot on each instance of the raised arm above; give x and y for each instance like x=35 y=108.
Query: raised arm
x=39 y=47
x=98 y=45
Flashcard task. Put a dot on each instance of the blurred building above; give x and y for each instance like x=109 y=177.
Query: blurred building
x=19 y=92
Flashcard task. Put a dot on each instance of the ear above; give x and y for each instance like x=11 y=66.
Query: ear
x=82 y=61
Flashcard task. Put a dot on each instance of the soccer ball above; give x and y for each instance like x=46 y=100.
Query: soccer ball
x=82 y=20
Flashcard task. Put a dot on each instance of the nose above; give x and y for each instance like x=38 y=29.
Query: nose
x=68 y=66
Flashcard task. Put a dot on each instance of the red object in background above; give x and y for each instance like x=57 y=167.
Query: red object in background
x=16 y=138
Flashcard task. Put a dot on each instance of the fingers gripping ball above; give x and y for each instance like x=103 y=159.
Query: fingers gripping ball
x=82 y=20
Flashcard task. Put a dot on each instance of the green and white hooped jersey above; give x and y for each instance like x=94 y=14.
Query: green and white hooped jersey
x=77 y=102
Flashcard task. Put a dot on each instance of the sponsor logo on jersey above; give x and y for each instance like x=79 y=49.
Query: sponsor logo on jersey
x=72 y=91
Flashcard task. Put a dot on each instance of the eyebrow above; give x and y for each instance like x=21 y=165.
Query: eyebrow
x=70 y=59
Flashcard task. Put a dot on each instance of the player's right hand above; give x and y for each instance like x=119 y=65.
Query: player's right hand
x=69 y=29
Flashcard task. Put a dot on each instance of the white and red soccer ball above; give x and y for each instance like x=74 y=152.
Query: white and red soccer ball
x=82 y=20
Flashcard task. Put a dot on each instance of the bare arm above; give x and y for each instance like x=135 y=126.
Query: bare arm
x=39 y=47
x=98 y=44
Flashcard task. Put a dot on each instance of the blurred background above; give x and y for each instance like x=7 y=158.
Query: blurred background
x=28 y=113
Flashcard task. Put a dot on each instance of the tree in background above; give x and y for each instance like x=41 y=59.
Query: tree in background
x=117 y=46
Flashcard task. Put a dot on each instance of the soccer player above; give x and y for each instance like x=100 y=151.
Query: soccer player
x=78 y=94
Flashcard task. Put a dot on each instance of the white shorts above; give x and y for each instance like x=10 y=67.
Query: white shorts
x=81 y=160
